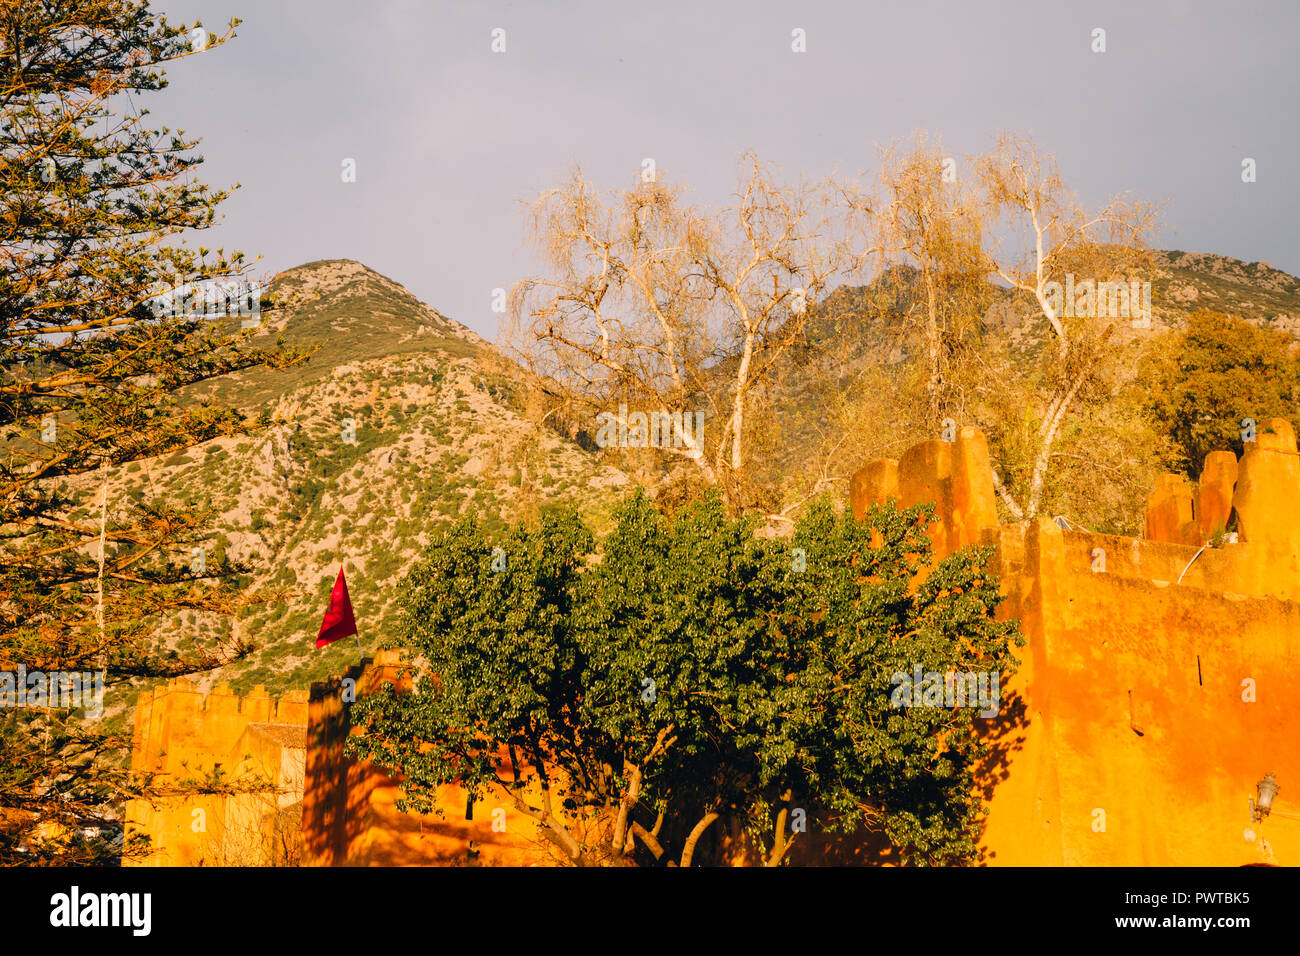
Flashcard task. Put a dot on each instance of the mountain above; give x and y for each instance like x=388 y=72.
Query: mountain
x=437 y=431
x=1187 y=281
x=440 y=431
x=840 y=401
x=1183 y=282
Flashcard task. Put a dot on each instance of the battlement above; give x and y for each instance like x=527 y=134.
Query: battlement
x=1232 y=530
x=177 y=723
x=182 y=735
x=1157 y=685
x=183 y=693
x=955 y=476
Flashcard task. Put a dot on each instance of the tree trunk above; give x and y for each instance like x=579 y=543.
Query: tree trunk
x=932 y=345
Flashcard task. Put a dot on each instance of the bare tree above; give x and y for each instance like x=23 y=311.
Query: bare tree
x=1039 y=238
x=926 y=219
x=651 y=299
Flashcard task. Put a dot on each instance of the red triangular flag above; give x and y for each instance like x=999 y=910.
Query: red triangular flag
x=339 y=622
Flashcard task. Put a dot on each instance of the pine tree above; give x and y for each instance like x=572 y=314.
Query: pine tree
x=94 y=367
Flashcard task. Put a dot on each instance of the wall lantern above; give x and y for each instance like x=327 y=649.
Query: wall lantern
x=1267 y=789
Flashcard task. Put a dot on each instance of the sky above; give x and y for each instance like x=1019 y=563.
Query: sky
x=451 y=140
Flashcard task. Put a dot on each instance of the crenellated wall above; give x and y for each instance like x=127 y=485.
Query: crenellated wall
x=183 y=736
x=1145 y=709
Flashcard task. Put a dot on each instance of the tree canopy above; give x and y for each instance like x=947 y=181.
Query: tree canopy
x=1212 y=375
x=94 y=207
x=682 y=671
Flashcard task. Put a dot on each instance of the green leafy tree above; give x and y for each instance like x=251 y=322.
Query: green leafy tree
x=1216 y=372
x=685 y=672
x=93 y=205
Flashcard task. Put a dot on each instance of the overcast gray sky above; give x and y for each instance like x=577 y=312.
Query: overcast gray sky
x=449 y=138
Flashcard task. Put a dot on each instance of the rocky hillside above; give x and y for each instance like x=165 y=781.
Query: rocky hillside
x=1187 y=281
x=870 y=343
x=1184 y=282
x=402 y=421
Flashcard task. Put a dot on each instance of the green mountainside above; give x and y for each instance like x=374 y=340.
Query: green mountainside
x=436 y=433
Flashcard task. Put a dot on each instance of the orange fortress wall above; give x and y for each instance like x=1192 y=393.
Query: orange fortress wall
x=1145 y=709
x=1160 y=682
x=181 y=737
